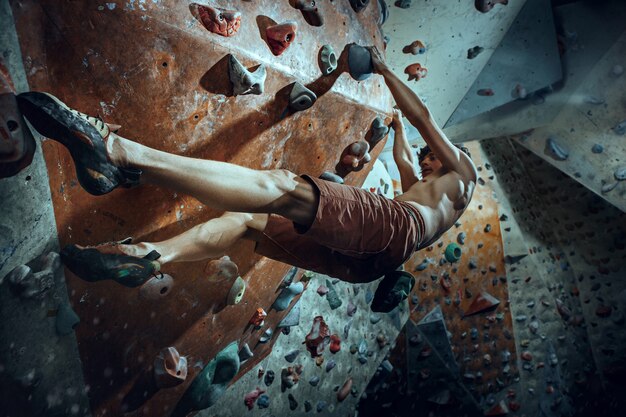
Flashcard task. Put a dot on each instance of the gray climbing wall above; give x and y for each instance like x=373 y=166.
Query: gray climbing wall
x=359 y=358
x=40 y=372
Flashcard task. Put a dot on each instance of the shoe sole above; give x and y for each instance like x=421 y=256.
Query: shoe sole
x=55 y=120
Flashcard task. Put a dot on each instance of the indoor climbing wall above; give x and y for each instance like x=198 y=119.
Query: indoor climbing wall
x=581 y=46
x=329 y=377
x=586 y=140
x=440 y=36
x=176 y=89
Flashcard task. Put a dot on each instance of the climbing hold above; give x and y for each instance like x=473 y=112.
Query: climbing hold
x=351 y=309
x=330 y=365
x=485 y=5
x=355 y=154
x=269 y=377
x=18 y=145
x=483 y=302
x=322 y=290
x=485 y=92
x=219 y=21
x=328 y=59
x=280 y=36
x=359 y=5
x=375 y=318
x=258 y=318
x=359 y=62
x=403 y=4
x=597 y=148
x=379 y=130
x=307 y=406
x=289 y=377
x=292 y=318
x=392 y=290
x=170 y=369
x=28 y=284
x=415 y=47
x=301 y=98
x=381 y=340
x=620 y=128
x=608 y=187
x=235 y=294
x=245 y=353
x=211 y=383
x=520 y=92
x=156 y=287
x=66 y=320
x=244 y=81
x=291 y=356
x=416 y=71
x=460 y=238
x=293 y=404
x=321 y=405
x=318 y=337
x=487 y=228
x=593 y=100
x=250 y=398
x=263 y=401
x=620 y=173
x=332 y=297
x=310 y=12
x=222 y=269
x=474 y=52
x=383 y=12
x=335 y=343
x=314 y=380
x=287 y=295
x=555 y=150
x=267 y=336
x=329 y=176
x=453 y=252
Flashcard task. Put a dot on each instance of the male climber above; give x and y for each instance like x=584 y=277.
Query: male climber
x=339 y=230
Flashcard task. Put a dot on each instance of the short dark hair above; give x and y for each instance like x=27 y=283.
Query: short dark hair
x=426 y=150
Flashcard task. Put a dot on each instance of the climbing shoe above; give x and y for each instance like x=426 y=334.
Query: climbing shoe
x=84 y=136
x=107 y=261
x=392 y=290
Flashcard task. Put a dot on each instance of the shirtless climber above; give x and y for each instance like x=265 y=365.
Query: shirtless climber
x=335 y=229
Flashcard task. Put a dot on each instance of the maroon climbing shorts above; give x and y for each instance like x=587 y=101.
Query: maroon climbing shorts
x=356 y=236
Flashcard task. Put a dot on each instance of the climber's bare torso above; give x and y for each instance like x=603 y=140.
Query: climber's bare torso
x=441 y=197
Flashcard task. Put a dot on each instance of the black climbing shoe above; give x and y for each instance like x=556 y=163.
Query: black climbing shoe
x=392 y=290
x=84 y=136
x=109 y=262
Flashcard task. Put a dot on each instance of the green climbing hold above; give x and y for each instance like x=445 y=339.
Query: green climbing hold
x=453 y=252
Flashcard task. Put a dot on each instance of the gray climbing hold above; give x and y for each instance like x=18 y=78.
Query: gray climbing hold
x=460 y=238
x=597 y=148
x=620 y=173
x=403 y=4
x=245 y=353
x=360 y=62
x=236 y=292
x=211 y=383
x=28 y=284
x=330 y=365
x=243 y=81
x=555 y=150
x=301 y=98
x=620 y=128
x=474 y=52
x=329 y=176
x=314 y=380
x=291 y=356
x=369 y=296
x=287 y=295
x=351 y=309
x=66 y=320
x=267 y=336
x=606 y=188
x=375 y=318
x=321 y=405
x=379 y=131
x=333 y=298
x=292 y=318
x=328 y=59
x=307 y=406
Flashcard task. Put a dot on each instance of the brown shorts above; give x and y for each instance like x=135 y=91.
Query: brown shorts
x=356 y=236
